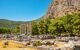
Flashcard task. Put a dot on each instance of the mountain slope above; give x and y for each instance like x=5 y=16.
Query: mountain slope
x=9 y=23
x=59 y=8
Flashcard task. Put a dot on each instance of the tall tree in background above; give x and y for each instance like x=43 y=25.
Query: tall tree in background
x=35 y=28
x=41 y=27
x=16 y=30
x=76 y=23
x=4 y=30
x=47 y=23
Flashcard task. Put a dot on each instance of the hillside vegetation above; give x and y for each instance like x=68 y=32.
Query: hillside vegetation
x=8 y=26
x=68 y=25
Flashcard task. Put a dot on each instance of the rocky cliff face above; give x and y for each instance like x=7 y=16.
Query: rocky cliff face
x=59 y=8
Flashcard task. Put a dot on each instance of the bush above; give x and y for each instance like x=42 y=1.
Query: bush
x=38 y=43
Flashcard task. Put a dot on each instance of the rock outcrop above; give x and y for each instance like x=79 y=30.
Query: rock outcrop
x=59 y=8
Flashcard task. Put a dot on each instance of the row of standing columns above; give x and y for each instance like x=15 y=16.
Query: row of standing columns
x=25 y=29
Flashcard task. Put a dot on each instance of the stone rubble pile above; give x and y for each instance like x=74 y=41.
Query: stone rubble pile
x=46 y=42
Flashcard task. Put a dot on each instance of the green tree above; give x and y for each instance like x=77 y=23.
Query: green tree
x=35 y=28
x=46 y=24
x=4 y=30
x=76 y=23
x=41 y=27
x=15 y=30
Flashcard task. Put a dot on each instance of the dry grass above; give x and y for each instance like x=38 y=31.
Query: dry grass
x=17 y=49
x=13 y=46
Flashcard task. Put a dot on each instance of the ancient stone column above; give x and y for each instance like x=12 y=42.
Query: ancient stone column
x=23 y=29
x=29 y=29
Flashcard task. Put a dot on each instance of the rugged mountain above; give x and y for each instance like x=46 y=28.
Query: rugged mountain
x=59 y=8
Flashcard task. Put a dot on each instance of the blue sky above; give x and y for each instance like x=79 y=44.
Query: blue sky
x=23 y=10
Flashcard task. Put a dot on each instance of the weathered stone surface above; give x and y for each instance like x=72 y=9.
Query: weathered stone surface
x=77 y=48
x=59 y=8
